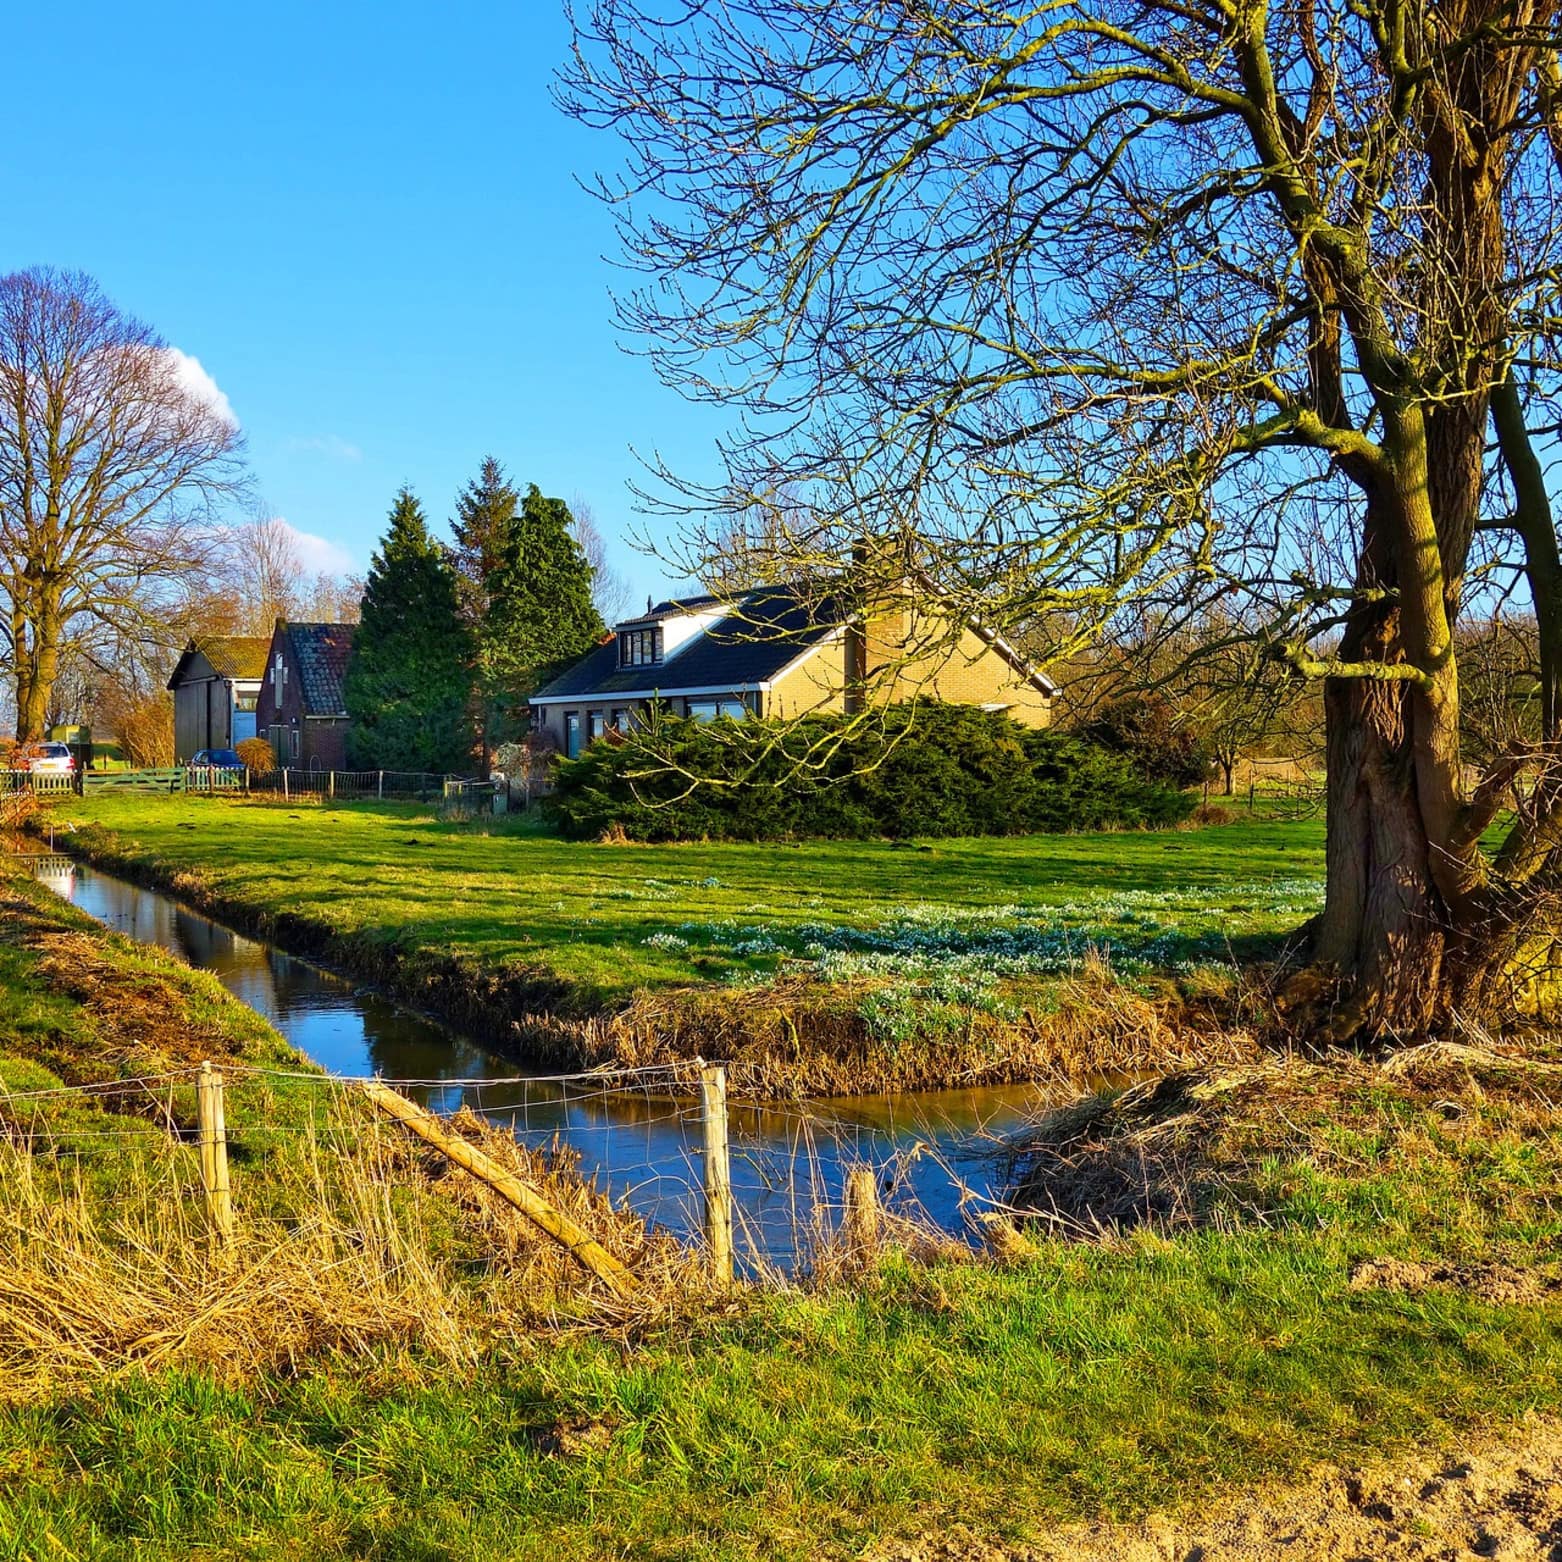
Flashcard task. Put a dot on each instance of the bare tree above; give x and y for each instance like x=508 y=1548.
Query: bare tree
x=609 y=589
x=263 y=578
x=1127 y=302
x=269 y=572
x=111 y=471
x=332 y=599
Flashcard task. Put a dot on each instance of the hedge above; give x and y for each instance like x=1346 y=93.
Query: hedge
x=919 y=769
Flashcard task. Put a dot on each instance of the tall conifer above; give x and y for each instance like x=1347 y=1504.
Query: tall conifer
x=486 y=526
x=409 y=679
x=525 y=595
x=541 y=613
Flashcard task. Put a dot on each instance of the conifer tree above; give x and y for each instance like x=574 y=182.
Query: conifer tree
x=541 y=616
x=486 y=527
x=525 y=596
x=409 y=679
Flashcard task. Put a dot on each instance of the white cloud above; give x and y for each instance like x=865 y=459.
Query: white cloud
x=200 y=386
x=331 y=445
x=319 y=555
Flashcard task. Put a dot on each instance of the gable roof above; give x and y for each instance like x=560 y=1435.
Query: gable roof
x=761 y=633
x=655 y=614
x=231 y=656
x=320 y=652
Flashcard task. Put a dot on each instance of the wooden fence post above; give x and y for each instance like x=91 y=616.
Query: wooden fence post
x=380 y=789
x=213 y=1132
x=284 y=783
x=860 y=1216
x=718 y=1170
x=330 y=785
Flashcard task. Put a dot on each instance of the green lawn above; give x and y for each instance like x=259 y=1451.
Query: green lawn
x=1078 y=1380
x=609 y=919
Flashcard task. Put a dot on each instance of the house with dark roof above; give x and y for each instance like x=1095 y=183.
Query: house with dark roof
x=302 y=711
x=216 y=686
x=782 y=651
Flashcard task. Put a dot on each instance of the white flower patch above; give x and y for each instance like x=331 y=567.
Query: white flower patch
x=1136 y=931
x=665 y=941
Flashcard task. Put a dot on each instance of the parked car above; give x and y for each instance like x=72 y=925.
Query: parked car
x=47 y=759
x=217 y=759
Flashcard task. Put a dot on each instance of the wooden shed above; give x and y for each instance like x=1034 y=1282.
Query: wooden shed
x=216 y=686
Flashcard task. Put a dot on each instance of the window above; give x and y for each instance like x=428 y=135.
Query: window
x=709 y=710
x=298 y=742
x=620 y=720
x=639 y=647
x=594 y=725
x=572 y=733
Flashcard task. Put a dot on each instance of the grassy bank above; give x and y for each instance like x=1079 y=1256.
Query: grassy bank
x=826 y=967
x=435 y=1409
x=350 y=1235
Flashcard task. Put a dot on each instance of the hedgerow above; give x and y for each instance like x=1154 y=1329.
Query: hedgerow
x=917 y=769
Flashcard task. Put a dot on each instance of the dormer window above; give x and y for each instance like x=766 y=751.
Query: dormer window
x=639 y=647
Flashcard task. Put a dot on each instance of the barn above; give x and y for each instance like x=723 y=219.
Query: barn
x=216 y=686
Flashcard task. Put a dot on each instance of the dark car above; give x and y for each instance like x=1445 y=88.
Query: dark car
x=216 y=759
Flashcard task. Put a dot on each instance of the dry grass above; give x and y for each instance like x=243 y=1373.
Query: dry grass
x=93 y=1286
x=797 y=1038
x=377 y=1243
x=1225 y=1146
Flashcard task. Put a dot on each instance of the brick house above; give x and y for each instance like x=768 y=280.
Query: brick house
x=301 y=711
x=216 y=686
x=783 y=652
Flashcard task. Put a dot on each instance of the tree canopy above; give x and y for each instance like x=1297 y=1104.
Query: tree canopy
x=527 y=594
x=114 y=467
x=1158 y=302
x=542 y=615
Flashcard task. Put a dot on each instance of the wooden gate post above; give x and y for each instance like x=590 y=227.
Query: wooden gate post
x=213 y=1132
x=718 y=1170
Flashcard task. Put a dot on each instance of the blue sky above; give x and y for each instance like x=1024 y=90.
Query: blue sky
x=363 y=221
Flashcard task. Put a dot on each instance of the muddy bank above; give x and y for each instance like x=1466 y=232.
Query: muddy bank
x=790 y=1038
x=1497 y=1496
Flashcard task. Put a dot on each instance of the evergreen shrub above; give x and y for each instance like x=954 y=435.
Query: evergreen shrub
x=1156 y=736
x=919 y=769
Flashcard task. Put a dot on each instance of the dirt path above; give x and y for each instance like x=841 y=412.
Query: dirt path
x=1498 y=1499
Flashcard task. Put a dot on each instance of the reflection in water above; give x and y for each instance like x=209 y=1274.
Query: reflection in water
x=933 y=1148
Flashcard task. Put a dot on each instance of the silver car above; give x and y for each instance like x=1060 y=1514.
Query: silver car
x=48 y=759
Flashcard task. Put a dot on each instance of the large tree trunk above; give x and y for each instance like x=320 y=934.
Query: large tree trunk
x=1378 y=947
x=1382 y=935
x=37 y=665
x=1408 y=936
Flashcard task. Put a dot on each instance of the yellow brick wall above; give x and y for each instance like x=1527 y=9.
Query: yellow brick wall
x=815 y=687
x=899 y=668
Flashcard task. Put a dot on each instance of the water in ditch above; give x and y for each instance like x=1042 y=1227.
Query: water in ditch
x=936 y=1150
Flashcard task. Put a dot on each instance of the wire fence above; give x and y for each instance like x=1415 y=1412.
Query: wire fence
x=760 y=1189
x=358 y=785
x=285 y=784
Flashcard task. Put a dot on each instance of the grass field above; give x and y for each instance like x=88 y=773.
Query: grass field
x=609 y=919
x=1067 y=1379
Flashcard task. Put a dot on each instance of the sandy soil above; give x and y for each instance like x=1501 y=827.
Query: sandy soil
x=1498 y=1499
